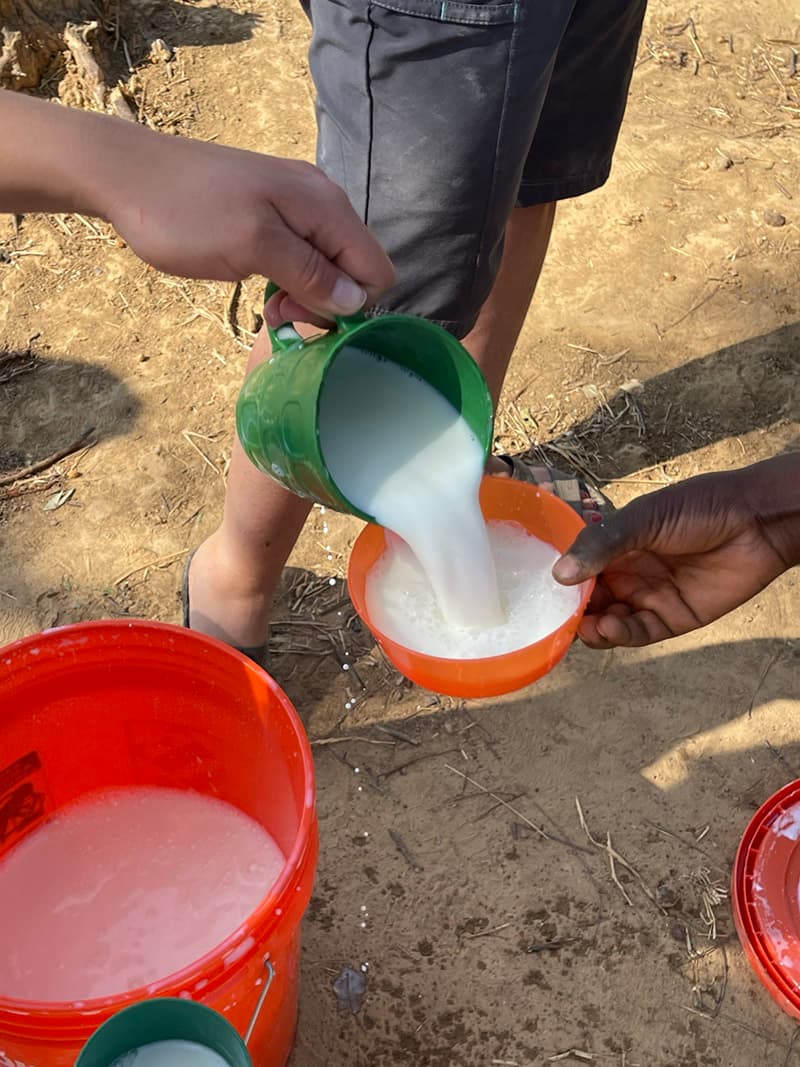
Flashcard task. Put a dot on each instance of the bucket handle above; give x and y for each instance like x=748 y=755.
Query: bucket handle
x=286 y=336
x=270 y=969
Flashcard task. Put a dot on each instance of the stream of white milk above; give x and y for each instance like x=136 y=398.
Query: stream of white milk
x=447 y=585
x=402 y=453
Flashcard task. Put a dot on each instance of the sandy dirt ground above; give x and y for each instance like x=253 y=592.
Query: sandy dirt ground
x=664 y=341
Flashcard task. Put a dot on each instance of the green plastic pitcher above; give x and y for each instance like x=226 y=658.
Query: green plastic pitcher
x=277 y=414
x=164 y=1019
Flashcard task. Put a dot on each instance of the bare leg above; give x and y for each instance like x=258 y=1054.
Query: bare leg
x=492 y=339
x=235 y=573
x=494 y=336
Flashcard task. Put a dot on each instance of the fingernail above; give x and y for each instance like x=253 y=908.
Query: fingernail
x=347 y=296
x=566 y=569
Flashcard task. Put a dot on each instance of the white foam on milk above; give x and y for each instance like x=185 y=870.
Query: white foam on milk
x=400 y=452
x=788 y=824
x=126 y=886
x=402 y=605
x=171 y=1054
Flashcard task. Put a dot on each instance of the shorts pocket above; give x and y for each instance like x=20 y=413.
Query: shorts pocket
x=460 y=12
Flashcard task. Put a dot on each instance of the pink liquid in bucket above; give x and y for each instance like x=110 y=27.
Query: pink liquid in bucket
x=103 y=713
x=148 y=881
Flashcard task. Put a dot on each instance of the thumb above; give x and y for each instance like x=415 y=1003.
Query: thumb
x=312 y=280
x=596 y=547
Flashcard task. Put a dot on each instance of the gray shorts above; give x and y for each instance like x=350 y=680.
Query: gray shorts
x=438 y=117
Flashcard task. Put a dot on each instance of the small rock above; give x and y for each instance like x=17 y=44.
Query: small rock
x=666 y=896
x=160 y=50
x=350 y=988
x=632 y=385
x=669 y=277
x=722 y=161
x=702 y=165
x=774 y=218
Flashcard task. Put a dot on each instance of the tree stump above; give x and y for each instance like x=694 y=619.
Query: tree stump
x=40 y=39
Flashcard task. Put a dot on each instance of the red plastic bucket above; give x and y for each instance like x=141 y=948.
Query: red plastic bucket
x=107 y=704
x=766 y=896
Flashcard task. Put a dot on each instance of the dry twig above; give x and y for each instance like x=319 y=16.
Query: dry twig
x=405 y=852
x=41 y=465
x=504 y=803
x=353 y=737
x=162 y=561
x=614 y=857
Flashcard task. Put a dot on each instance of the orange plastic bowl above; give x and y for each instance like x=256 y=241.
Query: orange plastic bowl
x=502 y=499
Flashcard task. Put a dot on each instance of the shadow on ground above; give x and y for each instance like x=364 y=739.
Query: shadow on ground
x=49 y=403
x=669 y=753
x=184 y=24
x=751 y=385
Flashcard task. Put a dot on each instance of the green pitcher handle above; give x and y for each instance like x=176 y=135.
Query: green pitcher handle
x=286 y=336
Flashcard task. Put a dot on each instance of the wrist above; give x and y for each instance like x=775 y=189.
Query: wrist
x=111 y=152
x=771 y=490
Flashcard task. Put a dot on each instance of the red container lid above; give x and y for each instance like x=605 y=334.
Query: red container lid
x=766 y=895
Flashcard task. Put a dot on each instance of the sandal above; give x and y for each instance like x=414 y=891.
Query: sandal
x=568 y=487
x=257 y=653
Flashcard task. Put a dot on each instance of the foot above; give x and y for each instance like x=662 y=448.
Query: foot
x=502 y=467
x=227 y=600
